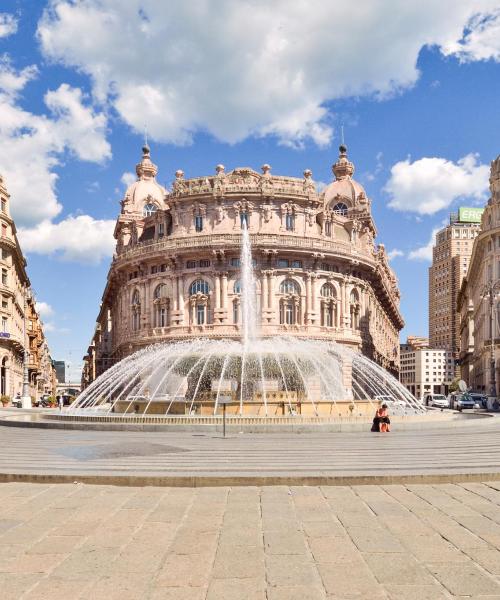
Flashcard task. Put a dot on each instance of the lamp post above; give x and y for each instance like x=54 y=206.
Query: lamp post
x=25 y=398
x=490 y=291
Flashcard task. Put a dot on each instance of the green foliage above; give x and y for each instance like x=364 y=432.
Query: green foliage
x=454 y=386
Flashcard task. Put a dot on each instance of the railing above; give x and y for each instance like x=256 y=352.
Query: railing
x=257 y=240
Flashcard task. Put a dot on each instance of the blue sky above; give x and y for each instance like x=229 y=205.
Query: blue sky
x=240 y=83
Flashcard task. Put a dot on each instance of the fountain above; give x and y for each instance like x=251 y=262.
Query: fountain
x=276 y=376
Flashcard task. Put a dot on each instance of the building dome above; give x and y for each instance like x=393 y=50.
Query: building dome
x=344 y=187
x=146 y=190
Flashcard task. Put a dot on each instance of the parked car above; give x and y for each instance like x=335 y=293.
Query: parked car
x=438 y=400
x=462 y=400
x=481 y=399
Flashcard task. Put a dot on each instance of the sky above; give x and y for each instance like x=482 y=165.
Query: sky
x=416 y=86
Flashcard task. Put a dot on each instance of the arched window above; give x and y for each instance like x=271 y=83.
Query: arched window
x=290 y=304
x=237 y=287
x=289 y=286
x=161 y=305
x=340 y=209
x=149 y=209
x=136 y=311
x=199 y=286
x=328 y=305
x=160 y=291
x=327 y=291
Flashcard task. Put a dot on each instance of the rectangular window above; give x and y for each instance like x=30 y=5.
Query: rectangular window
x=198 y=223
x=154 y=270
x=235 y=312
x=290 y=222
x=4 y=276
x=283 y=263
x=161 y=230
x=5 y=302
x=191 y=264
x=200 y=314
x=204 y=263
x=163 y=268
x=4 y=325
x=4 y=205
x=235 y=262
x=4 y=230
x=297 y=264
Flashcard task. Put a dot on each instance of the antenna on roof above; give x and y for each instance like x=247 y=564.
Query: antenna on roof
x=145 y=134
x=342 y=134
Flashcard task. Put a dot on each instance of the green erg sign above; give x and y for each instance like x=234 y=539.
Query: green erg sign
x=470 y=215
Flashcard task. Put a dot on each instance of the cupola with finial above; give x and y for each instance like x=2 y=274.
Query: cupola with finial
x=146 y=169
x=343 y=168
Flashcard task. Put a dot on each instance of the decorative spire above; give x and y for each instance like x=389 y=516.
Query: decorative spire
x=146 y=169
x=343 y=168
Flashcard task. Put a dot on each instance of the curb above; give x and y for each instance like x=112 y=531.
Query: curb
x=237 y=481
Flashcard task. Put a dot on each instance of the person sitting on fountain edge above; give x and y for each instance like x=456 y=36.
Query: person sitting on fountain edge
x=381 y=421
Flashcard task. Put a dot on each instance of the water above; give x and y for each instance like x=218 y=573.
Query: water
x=268 y=376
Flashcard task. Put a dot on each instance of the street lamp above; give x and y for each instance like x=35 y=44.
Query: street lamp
x=25 y=398
x=490 y=291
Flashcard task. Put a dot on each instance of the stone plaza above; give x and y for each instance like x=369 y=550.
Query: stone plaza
x=422 y=542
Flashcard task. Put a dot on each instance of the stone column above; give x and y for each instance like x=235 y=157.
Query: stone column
x=217 y=291
x=264 y=294
x=308 y=299
x=180 y=295
x=175 y=293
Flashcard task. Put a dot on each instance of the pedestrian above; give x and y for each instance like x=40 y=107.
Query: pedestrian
x=60 y=400
x=381 y=421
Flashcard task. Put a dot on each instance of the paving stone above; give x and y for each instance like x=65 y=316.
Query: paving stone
x=92 y=564
x=124 y=587
x=416 y=592
x=333 y=550
x=240 y=536
x=488 y=558
x=232 y=589
x=179 y=593
x=374 y=540
x=397 y=568
x=465 y=579
x=328 y=528
x=188 y=541
x=14 y=585
x=292 y=570
x=352 y=581
x=33 y=563
x=299 y=592
x=185 y=570
x=55 y=588
x=284 y=541
x=239 y=562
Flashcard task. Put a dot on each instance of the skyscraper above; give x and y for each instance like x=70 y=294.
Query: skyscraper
x=450 y=261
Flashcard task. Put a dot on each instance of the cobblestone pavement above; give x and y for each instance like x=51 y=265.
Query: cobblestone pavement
x=418 y=542
x=184 y=454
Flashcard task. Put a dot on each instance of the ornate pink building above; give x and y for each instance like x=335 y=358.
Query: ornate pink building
x=175 y=274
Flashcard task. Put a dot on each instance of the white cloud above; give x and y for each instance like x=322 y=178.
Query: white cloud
x=482 y=40
x=8 y=24
x=429 y=185
x=44 y=310
x=186 y=66
x=395 y=253
x=31 y=145
x=128 y=178
x=425 y=252
x=81 y=239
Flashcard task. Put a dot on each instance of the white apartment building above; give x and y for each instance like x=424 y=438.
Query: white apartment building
x=425 y=370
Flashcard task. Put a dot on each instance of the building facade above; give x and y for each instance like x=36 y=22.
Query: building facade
x=20 y=325
x=478 y=303
x=425 y=370
x=450 y=261
x=176 y=271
